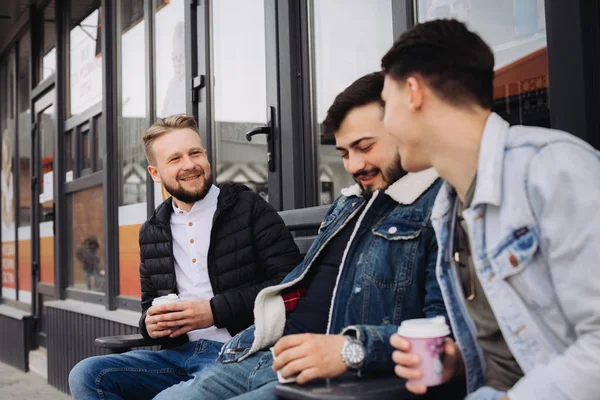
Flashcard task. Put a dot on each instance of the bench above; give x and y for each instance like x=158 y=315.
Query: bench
x=306 y=219
x=345 y=387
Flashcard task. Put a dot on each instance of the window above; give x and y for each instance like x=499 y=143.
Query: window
x=85 y=56
x=87 y=269
x=23 y=166
x=349 y=39
x=49 y=41
x=7 y=176
x=240 y=93
x=516 y=32
x=132 y=123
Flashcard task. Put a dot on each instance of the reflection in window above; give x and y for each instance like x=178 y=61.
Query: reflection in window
x=46 y=199
x=169 y=31
x=132 y=161
x=133 y=102
x=86 y=60
x=49 y=44
x=87 y=269
x=240 y=92
x=23 y=167
x=7 y=178
x=342 y=53
x=516 y=32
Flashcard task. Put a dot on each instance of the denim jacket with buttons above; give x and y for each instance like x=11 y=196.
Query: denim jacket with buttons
x=534 y=228
x=387 y=273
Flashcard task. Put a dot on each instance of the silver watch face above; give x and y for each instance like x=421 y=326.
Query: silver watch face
x=353 y=353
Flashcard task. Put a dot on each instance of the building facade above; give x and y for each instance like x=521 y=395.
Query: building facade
x=80 y=80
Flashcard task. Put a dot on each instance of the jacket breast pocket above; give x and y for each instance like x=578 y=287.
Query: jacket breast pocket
x=392 y=254
x=519 y=261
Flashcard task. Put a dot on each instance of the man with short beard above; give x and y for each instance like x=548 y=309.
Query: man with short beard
x=370 y=268
x=214 y=246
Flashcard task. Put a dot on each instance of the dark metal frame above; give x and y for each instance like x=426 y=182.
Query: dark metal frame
x=403 y=16
x=573 y=34
x=111 y=160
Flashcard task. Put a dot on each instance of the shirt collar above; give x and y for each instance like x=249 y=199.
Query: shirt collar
x=207 y=202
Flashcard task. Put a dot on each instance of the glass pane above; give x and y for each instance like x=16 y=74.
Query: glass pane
x=132 y=204
x=240 y=93
x=85 y=56
x=516 y=31
x=169 y=33
x=87 y=269
x=336 y=38
x=86 y=147
x=7 y=180
x=49 y=46
x=24 y=168
x=46 y=199
x=99 y=128
x=69 y=155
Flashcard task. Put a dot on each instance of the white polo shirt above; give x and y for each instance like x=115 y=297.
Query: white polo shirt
x=191 y=240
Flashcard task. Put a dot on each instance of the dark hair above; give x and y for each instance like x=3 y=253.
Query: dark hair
x=363 y=91
x=455 y=62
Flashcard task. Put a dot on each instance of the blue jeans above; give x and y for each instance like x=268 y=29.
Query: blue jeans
x=252 y=378
x=142 y=374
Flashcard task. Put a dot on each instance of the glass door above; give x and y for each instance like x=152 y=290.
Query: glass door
x=235 y=92
x=42 y=204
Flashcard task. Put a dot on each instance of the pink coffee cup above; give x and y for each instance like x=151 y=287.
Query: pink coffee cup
x=426 y=337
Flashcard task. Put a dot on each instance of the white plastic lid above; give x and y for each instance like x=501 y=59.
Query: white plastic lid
x=168 y=299
x=424 y=328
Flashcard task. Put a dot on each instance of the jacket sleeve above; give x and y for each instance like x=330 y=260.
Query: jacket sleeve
x=148 y=294
x=433 y=303
x=376 y=338
x=563 y=191
x=277 y=254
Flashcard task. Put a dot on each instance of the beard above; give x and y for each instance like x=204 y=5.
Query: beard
x=392 y=174
x=189 y=196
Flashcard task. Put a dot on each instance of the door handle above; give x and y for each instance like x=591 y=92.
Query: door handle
x=261 y=130
x=269 y=131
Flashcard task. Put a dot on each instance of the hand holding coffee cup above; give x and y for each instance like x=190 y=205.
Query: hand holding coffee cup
x=152 y=326
x=424 y=355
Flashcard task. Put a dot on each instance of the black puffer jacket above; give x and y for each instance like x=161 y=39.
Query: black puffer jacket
x=250 y=249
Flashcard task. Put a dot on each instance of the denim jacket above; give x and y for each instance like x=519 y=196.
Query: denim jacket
x=387 y=273
x=534 y=228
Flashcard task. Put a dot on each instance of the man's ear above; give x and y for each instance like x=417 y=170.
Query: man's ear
x=154 y=174
x=415 y=92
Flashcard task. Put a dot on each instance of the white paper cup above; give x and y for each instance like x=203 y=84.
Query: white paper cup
x=427 y=337
x=280 y=378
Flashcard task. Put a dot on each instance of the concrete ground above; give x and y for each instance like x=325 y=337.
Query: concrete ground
x=16 y=384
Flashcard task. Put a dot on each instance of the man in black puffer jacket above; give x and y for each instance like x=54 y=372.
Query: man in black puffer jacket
x=214 y=246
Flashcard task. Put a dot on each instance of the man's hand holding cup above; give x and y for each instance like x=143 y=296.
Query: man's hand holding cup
x=154 y=313
x=424 y=356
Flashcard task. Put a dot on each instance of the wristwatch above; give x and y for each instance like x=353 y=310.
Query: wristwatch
x=353 y=353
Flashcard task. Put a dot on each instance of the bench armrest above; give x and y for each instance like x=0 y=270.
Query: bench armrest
x=123 y=343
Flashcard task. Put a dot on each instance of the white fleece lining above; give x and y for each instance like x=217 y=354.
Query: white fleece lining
x=405 y=190
x=269 y=307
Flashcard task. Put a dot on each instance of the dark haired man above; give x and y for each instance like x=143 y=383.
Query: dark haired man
x=370 y=268
x=516 y=221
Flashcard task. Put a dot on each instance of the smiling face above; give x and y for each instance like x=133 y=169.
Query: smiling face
x=181 y=165
x=369 y=153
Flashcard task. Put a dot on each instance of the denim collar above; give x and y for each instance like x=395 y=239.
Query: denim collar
x=405 y=190
x=491 y=161
x=489 y=170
